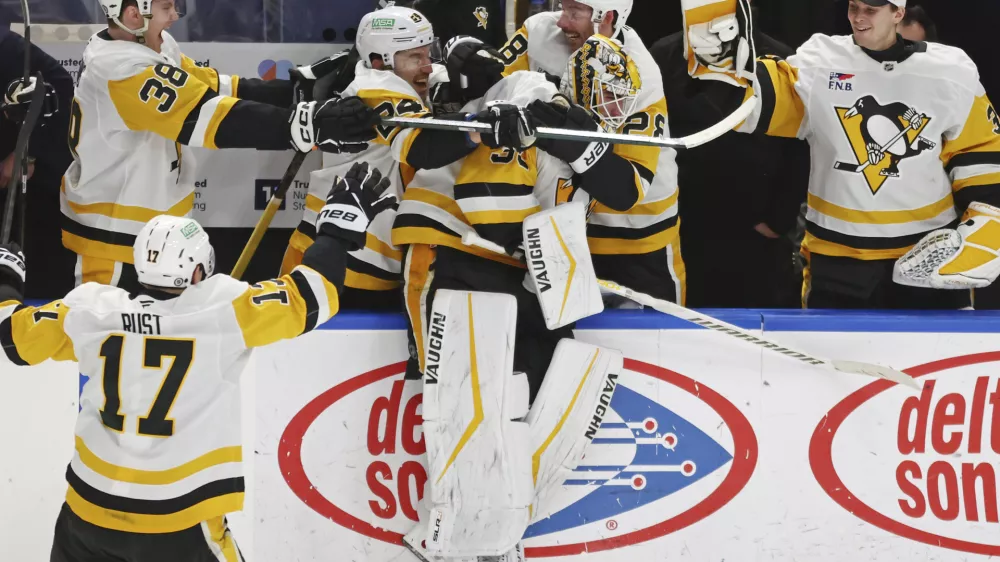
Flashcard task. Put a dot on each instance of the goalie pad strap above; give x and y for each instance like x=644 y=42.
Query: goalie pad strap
x=479 y=473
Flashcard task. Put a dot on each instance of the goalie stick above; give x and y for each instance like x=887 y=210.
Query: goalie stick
x=714 y=324
x=697 y=139
x=856 y=168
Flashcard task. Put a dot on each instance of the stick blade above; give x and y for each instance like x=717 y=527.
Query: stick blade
x=846 y=166
x=873 y=370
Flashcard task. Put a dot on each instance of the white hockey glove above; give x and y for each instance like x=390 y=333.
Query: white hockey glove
x=965 y=258
x=353 y=202
x=12 y=268
x=17 y=99
x=513 y=127
x=720 y=49
x=336 y=125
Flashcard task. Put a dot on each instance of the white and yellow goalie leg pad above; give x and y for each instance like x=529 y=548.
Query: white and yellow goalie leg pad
x=572 y=403
x=560 y=269
x=965 y=258
x=479 y=485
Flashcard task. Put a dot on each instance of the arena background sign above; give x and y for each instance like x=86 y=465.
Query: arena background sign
x=229 y=184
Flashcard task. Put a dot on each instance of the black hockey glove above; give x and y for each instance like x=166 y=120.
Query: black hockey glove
x=336 y=125
x=306 y=80
x=580 y=155
x=12 y=272
x=17 y=99
x=473 y=67
x=513 y=127
x=352 y=204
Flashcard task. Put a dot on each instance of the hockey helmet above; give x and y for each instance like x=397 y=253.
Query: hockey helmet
x=390 y=30
x=602 y=77
x=168 y=250
x=113 y=10
x=602 y=7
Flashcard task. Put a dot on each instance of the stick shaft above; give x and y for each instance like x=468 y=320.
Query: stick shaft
x=273 y=204
x=691 y=141
x=20 y=151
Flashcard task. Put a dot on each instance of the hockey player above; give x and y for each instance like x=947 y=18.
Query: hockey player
x=459 y=296
x=158 y=461
x=905 y=146
x=139 y=100
x=392 y=77
x=638 y=247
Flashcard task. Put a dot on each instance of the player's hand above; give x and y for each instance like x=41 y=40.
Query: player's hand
x=337 y=125
x=513 y=126
x=580 y=155
x=7 y=169
x=353 y=202
x=12 y=268
x=473 y=67
x=17 y=99
x=305 y=78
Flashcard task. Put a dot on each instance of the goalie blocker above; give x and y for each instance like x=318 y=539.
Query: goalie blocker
x=492 y=464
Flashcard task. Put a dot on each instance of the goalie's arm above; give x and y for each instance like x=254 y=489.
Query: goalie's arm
x=971 y=155
x=178 y=105
x=31 y=335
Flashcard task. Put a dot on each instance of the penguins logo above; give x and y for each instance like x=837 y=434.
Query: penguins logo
x=882 y=136
x=566 y=192
x=482 y=16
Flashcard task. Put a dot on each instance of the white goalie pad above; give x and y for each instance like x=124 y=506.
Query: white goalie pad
x=560 y=269
x=965 y=258
x=479 y=469
x=570 y=407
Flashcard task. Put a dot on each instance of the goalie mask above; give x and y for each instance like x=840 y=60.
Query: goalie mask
x=602 y=77
x=168 y=251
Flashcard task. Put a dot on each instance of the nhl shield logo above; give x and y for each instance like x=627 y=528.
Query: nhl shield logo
x=882 y=136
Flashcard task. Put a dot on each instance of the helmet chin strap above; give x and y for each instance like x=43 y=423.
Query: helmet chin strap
x=140 y=34
x=597 y=18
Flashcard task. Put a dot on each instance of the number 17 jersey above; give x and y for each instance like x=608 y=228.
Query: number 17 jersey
x=158 y=439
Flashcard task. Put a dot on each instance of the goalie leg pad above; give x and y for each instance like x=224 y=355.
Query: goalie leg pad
x=560 y=269
x=479 y=471
x=574 y=399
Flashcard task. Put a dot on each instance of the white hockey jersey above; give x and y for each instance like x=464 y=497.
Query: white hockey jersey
x=489 y=192
x=652 y=224
x=376 y=267
x=158 y=440
x=900 y=146
x=132 y=106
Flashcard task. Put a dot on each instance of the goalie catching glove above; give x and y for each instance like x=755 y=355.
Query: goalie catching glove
x=336 y=125
x=965 y=258
x=352 y=204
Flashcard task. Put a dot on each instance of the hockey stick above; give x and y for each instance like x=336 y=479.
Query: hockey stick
x=856 y=168
x=20 y=171
x=470 y=238
x=697 y=139
x=273 y=204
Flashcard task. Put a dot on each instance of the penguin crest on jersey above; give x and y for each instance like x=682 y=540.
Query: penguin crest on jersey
x=882 y=136
x=482 y=16
x=567 y=191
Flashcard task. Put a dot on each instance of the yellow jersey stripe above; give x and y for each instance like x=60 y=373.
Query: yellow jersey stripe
x=130 y=212
x=380 y=247
x=438 y=200
x=501 y=217
x=156 y=477
x=926 y=212
x=85 y=247
x=357 y=280
x=653 y=209
x=616 y=246
x=143 y=523
x=221 y=111
x=985 y=179
x=811 y=244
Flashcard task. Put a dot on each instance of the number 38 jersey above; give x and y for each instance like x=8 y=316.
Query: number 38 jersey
x=158 y=439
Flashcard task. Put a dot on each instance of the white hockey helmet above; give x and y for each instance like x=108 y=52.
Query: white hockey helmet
x=113 y=10
x=603 y=78
x=169 y=249
x=602 y=7
x=390 y=30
